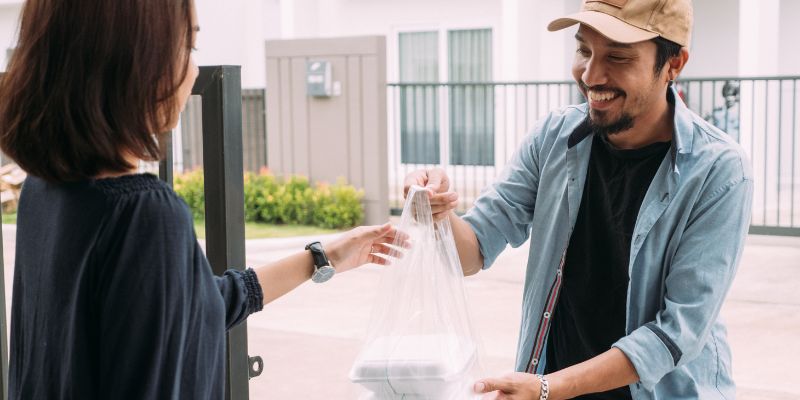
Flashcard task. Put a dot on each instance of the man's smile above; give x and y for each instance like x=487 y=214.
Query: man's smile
x=602 y=99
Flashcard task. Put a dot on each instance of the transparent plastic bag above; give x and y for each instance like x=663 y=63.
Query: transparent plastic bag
x=421 y=344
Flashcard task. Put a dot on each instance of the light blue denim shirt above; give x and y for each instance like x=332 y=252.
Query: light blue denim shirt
x=685 y=248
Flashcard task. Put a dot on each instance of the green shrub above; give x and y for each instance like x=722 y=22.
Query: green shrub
x=291 y=201
x=256 y=187
x=337 y=206
x=190 y=187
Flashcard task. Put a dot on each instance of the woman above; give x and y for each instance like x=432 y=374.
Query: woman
x=113 y=298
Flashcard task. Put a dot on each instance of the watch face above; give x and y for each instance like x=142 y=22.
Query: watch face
x=323 y=273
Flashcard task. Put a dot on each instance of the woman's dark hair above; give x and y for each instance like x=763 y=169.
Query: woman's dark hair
x=91 y=82
x=665 y=50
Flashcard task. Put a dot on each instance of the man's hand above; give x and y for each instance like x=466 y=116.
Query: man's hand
x=437 y=184
x=513 y=386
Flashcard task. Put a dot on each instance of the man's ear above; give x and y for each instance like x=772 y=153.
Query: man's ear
x=675 y=64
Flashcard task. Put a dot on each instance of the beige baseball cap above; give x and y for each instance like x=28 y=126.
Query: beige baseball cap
x=631 y=21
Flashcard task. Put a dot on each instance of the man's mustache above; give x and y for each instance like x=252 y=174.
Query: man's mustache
x=602 y=88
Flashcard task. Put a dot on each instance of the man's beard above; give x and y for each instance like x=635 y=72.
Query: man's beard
x=606 y=128
x=621 y=124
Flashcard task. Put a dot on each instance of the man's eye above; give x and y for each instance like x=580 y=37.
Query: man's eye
x=617 y=59
x=583 y=52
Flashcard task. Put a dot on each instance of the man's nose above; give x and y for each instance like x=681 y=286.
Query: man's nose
x=594 y=74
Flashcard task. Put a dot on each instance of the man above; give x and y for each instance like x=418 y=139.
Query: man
x=637 y=210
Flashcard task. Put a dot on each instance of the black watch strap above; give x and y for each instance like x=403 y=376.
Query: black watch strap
x=318 y=253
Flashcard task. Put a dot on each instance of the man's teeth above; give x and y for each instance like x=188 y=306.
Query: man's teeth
x=601 y=96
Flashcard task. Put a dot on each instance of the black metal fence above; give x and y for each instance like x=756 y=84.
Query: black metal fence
x=472 y=129
x=254 y=132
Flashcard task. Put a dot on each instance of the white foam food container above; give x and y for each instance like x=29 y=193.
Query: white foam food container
x=423 y=366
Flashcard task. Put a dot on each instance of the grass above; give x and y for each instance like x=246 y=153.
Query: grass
x=10 y=218
x=254 y=230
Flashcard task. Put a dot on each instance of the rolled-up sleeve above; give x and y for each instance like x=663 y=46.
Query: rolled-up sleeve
x=696 y=283
x=502 y=215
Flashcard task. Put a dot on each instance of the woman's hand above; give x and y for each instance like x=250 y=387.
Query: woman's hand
x=513 y=386
x=365 y=244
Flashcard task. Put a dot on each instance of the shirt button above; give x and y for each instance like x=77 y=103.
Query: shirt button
x=546 y=315
x=534 y=362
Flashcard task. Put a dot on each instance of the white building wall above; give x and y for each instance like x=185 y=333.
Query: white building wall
x=338 y=18
x=789 y=56
x=759 y=37
x=538 y=53
x=9 y=19
x=714 y=50
x=731 y=37
x=524 y=50
x=231 y=32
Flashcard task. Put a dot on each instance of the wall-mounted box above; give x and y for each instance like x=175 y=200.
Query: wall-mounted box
x=319 y=79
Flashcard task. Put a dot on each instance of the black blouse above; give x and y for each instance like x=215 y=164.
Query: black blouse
x=114 y=298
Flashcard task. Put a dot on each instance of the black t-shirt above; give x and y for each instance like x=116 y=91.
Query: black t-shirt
x=114 y=298
x=590 y=314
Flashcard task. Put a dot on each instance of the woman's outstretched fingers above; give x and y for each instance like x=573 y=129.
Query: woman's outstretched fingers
x=398 y=239
x=376 y=259
x=380 y=248
x=378 y=231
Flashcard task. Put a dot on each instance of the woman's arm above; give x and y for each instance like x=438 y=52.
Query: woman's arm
x=352 y=249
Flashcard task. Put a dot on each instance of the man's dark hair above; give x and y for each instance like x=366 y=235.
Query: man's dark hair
x=665 y=50
x=91 y=82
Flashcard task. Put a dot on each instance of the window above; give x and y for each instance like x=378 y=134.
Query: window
x=471 y=105
x=419 y=104
x=468 y=64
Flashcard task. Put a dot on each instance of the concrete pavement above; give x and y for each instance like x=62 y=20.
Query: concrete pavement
x=309 y=338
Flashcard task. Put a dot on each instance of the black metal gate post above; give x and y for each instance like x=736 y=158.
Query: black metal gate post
x=220 y=89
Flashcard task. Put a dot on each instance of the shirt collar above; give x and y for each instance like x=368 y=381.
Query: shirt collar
x=684 y=125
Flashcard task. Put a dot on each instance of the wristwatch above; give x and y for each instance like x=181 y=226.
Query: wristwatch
x=323 y=269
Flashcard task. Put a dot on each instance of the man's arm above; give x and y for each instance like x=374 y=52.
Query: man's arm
x=500 y=216
x=605 y=372
x=602 y=373
x=469 y=250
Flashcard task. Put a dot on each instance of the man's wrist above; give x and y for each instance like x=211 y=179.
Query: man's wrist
x=452 y=216
x=544 y=387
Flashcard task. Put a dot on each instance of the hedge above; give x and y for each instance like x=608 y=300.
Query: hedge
x=273 y=200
